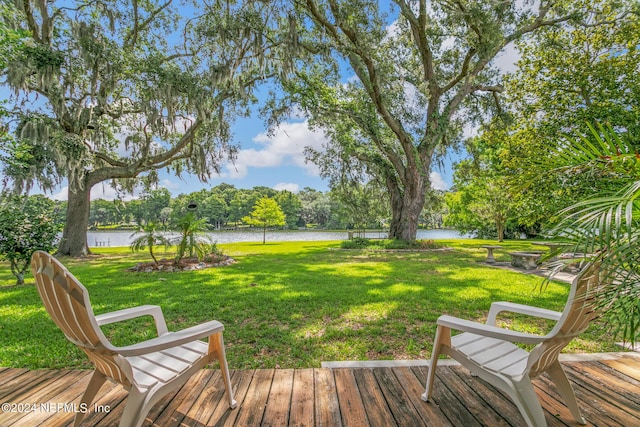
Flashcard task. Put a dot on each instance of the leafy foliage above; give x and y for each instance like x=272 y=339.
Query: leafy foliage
x=266 y=213
x=483 y=199
x=581 y=72
x=584 y=71
x=149 y=237
x=363 y=205
x=26 y=225
x=416 y=82
x=364 y=243
x=606 y=224
x=128 y=88
x=192 y=239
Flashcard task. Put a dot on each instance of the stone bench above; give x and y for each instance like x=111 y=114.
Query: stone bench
x=526 y=260
x=580 y=261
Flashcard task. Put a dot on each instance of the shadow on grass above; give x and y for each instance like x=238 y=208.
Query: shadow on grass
x=287 y=305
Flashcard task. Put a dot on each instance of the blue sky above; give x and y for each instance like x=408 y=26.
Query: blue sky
x=276 y=161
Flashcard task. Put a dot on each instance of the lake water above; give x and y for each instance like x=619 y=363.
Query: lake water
x=123 y=238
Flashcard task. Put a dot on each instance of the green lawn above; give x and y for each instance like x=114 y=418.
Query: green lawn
x=289 y=305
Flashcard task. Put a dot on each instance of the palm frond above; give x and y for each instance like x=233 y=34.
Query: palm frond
x=605 y=226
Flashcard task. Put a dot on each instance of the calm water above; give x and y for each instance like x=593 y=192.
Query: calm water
x=123 y=238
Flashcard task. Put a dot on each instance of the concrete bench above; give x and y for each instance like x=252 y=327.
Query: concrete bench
x=580 y=261
x=526 y=260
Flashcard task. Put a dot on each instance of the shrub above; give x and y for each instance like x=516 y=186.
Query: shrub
x=356 y=243
x=26 y=225
x=361 y=243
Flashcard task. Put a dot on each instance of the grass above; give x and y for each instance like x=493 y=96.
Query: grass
x=289 y=304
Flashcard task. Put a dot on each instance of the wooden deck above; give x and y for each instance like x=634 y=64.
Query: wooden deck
x=608 y=391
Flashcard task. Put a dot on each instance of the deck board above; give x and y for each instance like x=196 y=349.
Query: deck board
x=327 y=409
x=277 y=412
x=302 y=397
x=373 y=400
x=399 y=402
x=608 y=393
x=350 y=399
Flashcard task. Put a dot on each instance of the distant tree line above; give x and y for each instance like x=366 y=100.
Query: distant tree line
x=224 y=207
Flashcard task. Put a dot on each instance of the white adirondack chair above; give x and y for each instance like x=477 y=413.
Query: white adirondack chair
x=150 y=369
x=488 y=351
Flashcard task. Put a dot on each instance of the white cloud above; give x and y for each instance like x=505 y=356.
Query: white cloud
x=288 y=186
x=393 y=30
x=171 y=185
x=61 y=195
x=285 y=147
x=437 y=182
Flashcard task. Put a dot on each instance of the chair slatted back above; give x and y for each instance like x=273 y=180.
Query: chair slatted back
x=578 y=313
x=67 y=302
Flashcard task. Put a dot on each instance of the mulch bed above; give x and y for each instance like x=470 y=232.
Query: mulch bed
x=185 y=264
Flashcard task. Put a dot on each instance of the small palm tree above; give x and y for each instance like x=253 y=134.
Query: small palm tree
x=607 y=224
x=192 y=239
x=149 y=237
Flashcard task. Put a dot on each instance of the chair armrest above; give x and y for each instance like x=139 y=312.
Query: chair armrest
x=489 y=330
x=171 y=339
x=133 y=312
x=500 y=306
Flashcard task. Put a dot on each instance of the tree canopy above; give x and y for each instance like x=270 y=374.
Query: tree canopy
x=266 y=213
x=116 y=91
x=568 y=77
x=415 y=75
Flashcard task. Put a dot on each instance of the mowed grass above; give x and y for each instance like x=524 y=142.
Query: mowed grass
x=290 y=304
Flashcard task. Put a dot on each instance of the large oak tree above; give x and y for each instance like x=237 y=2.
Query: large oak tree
x=417 y=74
x=114 y=90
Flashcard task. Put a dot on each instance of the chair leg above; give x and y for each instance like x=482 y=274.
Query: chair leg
x=216 y=346
x=431 y=375
x=526 y=399
x=136 y=408
x=95 y=383
x=561 y=381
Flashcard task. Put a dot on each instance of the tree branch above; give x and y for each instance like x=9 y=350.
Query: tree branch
x=419 y=31
x=31 y=21
x=464 y=71
x=131 y=38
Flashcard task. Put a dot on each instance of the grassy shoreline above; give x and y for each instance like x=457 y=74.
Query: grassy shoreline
x=290 y=304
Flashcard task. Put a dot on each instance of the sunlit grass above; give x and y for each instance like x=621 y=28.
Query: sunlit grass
x=289 y=304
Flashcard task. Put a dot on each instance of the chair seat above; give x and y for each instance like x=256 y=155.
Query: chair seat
x=496 y=355
x=163 y=366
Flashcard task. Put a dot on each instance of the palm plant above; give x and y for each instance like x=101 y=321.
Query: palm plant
x=149 y=237
x=606 y=224
x=192 y=239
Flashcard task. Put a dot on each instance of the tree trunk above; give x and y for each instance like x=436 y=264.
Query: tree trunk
x=406 y=207
x=18 y=271
x=74 y=235
x=500 y=228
